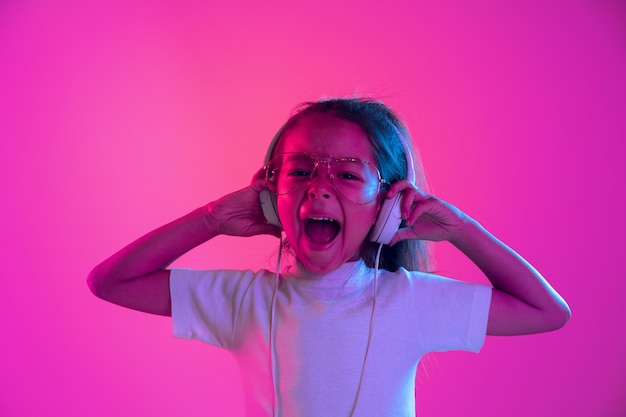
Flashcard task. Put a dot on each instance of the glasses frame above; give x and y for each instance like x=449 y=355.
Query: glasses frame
x=328 y=160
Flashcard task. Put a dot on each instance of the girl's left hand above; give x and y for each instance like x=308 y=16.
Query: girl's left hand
x=426 y=216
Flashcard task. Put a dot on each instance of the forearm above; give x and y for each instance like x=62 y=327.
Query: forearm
x=504 y=268
x=137 y=277
x=156 y=250
x=522 y=300
x=520 y=292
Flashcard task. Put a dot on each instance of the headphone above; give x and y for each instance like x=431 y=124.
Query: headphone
x=389 y=216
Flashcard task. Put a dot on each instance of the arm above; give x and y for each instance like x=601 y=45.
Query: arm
x=522 y=300
x=137 y=276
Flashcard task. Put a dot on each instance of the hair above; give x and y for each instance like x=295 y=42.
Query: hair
x=386 y=133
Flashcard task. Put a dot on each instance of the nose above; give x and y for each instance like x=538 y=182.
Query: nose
x=319 y=184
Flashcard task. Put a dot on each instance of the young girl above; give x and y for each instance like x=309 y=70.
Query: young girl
x=341 y=331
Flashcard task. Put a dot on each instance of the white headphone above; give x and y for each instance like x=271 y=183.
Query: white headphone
x=389 y=217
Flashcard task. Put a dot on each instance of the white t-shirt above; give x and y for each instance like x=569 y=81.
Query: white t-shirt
x=321 y=326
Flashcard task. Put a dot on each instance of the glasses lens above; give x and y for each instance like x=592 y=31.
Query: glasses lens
x=289 y=171
x=355 y=180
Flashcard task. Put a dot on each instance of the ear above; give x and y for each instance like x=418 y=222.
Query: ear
x=260 y=174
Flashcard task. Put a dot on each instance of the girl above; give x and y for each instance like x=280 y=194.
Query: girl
x=341 y=331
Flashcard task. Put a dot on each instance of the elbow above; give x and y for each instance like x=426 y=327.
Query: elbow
x=93 y=283
x=566 y=314
x=97 y=283
x=558 y=317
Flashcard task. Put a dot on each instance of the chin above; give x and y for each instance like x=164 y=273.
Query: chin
x=322 y=264
x=319 y=266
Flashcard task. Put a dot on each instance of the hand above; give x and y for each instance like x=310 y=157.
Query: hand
x=426 y=216
x=522 y=301
x=240 y=213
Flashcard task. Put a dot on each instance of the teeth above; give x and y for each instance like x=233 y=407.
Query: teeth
x=322 y=218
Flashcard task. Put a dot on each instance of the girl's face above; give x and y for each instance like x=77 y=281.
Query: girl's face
x=325 y=229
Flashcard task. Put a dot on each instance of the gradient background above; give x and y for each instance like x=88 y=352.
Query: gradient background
x=118 y=116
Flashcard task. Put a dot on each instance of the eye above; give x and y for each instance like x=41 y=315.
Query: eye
x=298 y=173
x=298 y=167
x=348 y=176
x=349 y=171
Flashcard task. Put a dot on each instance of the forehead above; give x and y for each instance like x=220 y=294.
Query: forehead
x=327 y=134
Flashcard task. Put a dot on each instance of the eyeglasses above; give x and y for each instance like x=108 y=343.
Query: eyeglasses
x=356 y=180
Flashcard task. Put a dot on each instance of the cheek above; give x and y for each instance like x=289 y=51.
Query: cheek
x=287 y=213
x=374 y=212
x=363 y=220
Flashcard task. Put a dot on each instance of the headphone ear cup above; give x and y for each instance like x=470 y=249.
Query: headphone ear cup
x=269 y=205
x=388 y=221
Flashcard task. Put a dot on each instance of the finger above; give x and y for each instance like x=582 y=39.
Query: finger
x=398 y=187
x=268 y=229
x=406 y=233
x=419 y=209
x=260 y=174
x=410 y=197
x=406 y=204
x=261 y=184
x=258 y=185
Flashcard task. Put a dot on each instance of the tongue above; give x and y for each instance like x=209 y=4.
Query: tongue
x=321 y=231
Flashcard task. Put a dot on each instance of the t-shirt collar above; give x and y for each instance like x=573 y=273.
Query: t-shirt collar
x=354 y=273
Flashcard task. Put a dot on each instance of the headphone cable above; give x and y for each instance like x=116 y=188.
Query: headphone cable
x=273 y=330
x=370 y=332
x=272 y=340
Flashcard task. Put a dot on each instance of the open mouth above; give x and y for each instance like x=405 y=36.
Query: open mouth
x=321 y=230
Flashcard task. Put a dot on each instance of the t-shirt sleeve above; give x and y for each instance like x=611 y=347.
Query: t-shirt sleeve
x=451 y=315
x=206 y=304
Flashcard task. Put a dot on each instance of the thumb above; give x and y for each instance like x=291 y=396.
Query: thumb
x=270 y=229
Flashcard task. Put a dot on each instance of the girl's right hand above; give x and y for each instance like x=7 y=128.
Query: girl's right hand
x=240 y=213
x=137 y=276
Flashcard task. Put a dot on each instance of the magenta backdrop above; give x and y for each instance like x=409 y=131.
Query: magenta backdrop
x=118 y=116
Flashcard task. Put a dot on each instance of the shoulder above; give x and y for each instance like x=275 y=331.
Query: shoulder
x=404 y=277
x=219 y=274
x=425 y=284
x=228 y=281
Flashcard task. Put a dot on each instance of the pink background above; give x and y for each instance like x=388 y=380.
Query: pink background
x=118 y=116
